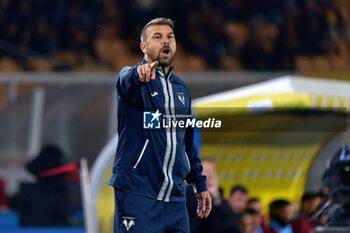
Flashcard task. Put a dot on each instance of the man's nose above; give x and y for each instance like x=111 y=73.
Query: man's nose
x=166 y=41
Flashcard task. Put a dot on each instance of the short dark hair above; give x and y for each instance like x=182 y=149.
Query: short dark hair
x=254 y=199
x=307 y=197
x=251 y=212
x=310 y=196
x=277 y=204
x=238 y=188
x=157 y=21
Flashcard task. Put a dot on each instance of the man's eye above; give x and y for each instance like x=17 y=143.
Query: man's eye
x=157 y=37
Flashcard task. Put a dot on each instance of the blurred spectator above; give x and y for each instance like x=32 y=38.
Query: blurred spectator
x=55 y=198
x=255 y=204
x=310 y=203
x=246 y=222
x=290 y=211
x=258 y=227
x=42 y=28
x=310 y=27
x=280 y=216
x=336 y=26
x=209 y=170
x=220 y=218
x=52 y=164
x=238 y=201
x=205 y=34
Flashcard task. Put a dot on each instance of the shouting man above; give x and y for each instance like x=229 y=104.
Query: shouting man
x=152 y=162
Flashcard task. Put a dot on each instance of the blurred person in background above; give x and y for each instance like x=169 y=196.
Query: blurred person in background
x=151 y=166
x=280 y=216
x=291 y=211
x=310 y=203
x=247 y=223
x=237 y=201
x=55 y=198
x=308 y=27
x=255 y=204
x=209 y=169
x=52 y=164
x=257 y=220
x=220 y=218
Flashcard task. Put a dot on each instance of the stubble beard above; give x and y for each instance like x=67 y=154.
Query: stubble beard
x=162 y=62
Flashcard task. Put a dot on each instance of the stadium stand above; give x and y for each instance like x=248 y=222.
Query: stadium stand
x=233 y=35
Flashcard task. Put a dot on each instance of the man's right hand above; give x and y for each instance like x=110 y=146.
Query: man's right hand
x=204 y=204
x=147 y=71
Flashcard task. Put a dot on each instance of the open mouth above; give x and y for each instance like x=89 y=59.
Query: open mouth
x=166 y=52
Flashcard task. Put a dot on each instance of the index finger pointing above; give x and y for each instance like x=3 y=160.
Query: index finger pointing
x=154 y=65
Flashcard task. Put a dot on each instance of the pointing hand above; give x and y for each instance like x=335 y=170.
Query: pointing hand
x=147 y=71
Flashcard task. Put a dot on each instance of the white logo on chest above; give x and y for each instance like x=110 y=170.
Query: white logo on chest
x=181 y=97
x=129 y=224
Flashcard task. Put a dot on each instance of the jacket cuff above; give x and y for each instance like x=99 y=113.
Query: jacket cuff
x=200 y=185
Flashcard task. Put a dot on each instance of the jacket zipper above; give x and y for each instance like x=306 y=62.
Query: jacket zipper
x=173 y=137
x=168 y=182
x=141 y=154
x=171 y=129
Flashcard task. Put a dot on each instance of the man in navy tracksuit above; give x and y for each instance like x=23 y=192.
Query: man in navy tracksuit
x=152 y=162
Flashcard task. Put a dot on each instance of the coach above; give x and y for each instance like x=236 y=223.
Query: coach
x=152 y=162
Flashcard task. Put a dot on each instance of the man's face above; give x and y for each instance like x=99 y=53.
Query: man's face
x=286 y=213
x=256 y=205
x=210 y=172
x=315 y=203
x=306 y=207
x=159 y=44
x=290 y=211
x=256 y=220
x=238 y=201
x=246 y=224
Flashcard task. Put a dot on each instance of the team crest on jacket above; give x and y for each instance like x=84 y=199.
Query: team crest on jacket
x=181 y=97
x=128 y=222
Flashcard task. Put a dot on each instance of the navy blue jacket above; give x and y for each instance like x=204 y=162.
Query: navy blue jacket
x=154 y=162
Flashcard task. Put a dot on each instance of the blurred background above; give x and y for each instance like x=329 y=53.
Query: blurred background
x=58 y=64
x=103 y=35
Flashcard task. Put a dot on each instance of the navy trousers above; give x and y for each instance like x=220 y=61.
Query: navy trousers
x=134 y=213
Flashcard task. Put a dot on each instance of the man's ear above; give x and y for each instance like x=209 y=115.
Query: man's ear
x=143 y=47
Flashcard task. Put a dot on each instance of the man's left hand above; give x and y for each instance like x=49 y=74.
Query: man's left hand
x=204 y=204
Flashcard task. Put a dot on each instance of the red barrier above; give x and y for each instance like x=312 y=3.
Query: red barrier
x=70 y=172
